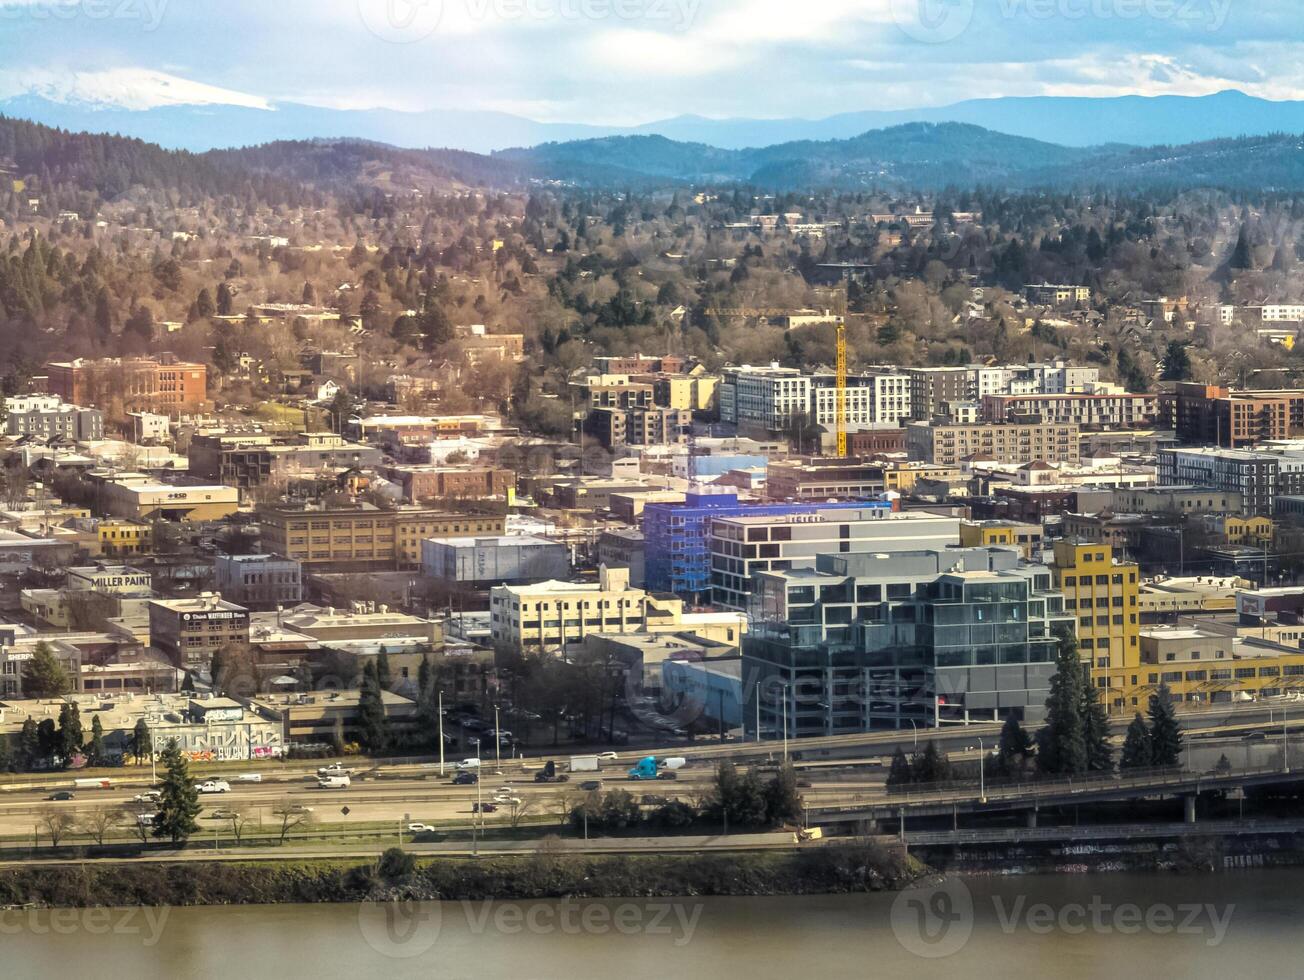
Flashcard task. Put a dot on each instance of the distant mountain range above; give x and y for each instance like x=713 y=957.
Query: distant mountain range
x=923 y=156
x=1071 y=122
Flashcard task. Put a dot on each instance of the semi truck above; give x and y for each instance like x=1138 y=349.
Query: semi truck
x=584 y=763
x=549 y=774
x=647 y=769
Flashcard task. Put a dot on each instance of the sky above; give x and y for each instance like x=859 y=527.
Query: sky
x=625 y=62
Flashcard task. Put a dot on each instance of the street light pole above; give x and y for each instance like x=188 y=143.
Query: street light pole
x=982 y=772
x=441 y=734
x=915 y=729
x=498 y=742
x=1285 y=742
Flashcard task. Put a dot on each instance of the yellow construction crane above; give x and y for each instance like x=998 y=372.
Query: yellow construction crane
x=842 y=389
x=841 y=394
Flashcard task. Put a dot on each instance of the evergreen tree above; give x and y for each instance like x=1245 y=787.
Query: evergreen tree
x=1062 y=747
x=1242 y=256
x=179 y=802
x=225 y=300
x=1095 y=727
x=71 y=735
x=371 y=711
x=1137 y=753
x=1165 y=732
x=930 y=766
x=1015 y=747
x=47 y=735
x=29 y=745
x=96 y=747
x=142 y=741
x=6 y=755
x=901 y=773
x=782 y=800
x=1177 y=362
x=44 y=676
x=383 y=676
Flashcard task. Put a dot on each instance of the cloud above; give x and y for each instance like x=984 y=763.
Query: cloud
x=632 y=61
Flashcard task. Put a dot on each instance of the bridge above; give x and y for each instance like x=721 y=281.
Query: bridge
x=1031 y=796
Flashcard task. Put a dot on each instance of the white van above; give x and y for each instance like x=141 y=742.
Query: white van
x=469 y=764
x=334 y=782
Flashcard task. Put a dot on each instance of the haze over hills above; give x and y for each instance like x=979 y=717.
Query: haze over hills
x=1074 y=122
x=915 y=156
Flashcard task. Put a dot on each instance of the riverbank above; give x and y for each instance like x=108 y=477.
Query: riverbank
x=840 y=869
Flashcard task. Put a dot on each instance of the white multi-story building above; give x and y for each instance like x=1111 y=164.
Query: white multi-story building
x=764 y=397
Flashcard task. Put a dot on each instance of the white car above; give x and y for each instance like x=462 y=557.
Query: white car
x=150 y=796
x=250 y=777
x=147 y=819
x=420 y=828
x=214 y=786
x=608 y=756
x=469 y=764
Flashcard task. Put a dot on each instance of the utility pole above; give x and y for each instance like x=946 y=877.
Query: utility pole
x=441 y=734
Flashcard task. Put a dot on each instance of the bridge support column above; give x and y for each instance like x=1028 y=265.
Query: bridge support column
x=1189 y=802
x=1032 y=819
x=955 y=817
x=901 y=831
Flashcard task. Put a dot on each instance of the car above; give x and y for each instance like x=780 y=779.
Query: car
x=147 y=819
x=149 y=796
x=608 y=756
x=484 y=808
x=469 y=764
x=1256 y=737
x=465 y=779
x=420 y=828
x=249 y=777
x=60 y=796
x=214 y=786
x=335 y=769
x=223 y=813
x=592 y=786
x=298 y=808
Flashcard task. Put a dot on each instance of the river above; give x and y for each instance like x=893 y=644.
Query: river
x=1216 y=926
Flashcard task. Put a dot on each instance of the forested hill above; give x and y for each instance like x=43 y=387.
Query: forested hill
x=78 y=170
x=107 y=166
x=339 y=163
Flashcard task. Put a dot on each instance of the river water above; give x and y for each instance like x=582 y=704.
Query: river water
x=1149 y=926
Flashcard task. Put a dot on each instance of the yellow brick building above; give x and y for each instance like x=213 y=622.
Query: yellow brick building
x=119 y=538
x=1013 y=534
x=1103 y=594
x=366 y=537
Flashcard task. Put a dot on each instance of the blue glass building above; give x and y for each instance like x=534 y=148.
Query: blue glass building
x=678 y=553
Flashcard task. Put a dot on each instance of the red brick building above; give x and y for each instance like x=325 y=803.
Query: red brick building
x=159 y=383
x=436 y=482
